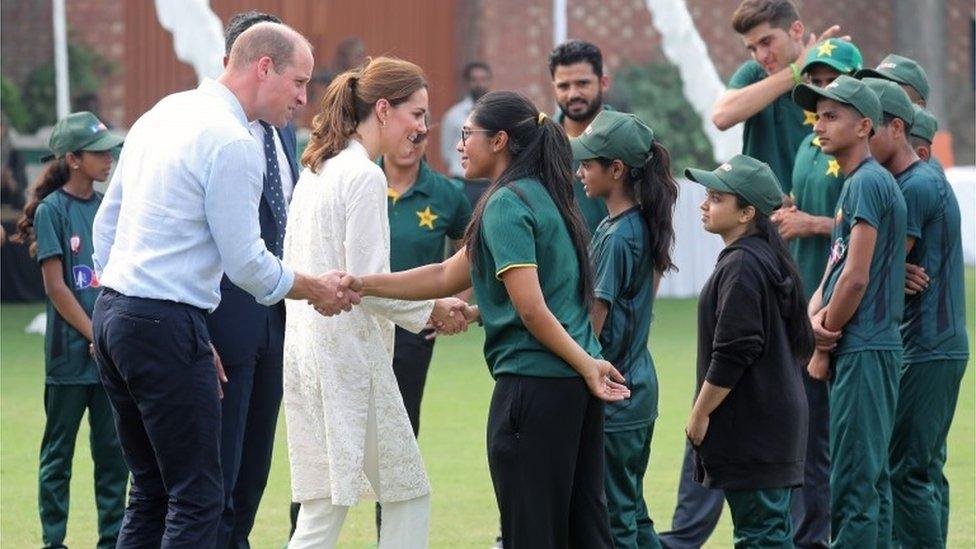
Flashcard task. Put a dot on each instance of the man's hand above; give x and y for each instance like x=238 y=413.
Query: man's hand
x=819 y=366
x=470 y=312
x=813 y=39
x=605 y=382
x=449 y=316
x=330 y=296
x=916 y=280
x=825 y=339
x=793 y=223
x=221 y=376
x=697 y=428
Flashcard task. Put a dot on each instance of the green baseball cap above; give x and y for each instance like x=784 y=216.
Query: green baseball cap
x=840 y=55
x=894 y=101
x=745 y=176
x=616 y=136
x=902 y=70
x=925 y=124
x=844 y=89
x=80 y=131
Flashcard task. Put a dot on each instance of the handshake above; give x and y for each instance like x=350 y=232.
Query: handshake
x=335 y=291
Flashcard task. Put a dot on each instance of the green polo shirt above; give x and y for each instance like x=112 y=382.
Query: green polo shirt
x=433 y=209
x=871 y=195
x=934 y=326
x=774 y=133
x=521 y=227
x=817 y=181
x=624 y=280
x=63 y=225
x=594 y=209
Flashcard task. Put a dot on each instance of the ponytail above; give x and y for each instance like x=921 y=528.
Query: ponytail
x=798 y=323
x=54 y=176
x=349 y=101
x=539 y=148
x=656 y=191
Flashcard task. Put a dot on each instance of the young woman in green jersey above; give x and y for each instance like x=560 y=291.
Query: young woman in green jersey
x=57 y=223
x=526 y=255
x=621 y=163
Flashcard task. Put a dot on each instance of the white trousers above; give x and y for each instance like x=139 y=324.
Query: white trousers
x=405 y=523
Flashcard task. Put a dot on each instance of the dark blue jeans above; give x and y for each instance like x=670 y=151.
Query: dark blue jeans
x=157 y=367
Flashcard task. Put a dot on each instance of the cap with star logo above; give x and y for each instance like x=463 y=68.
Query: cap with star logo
x=844 y=89
x=80 y=131
x=745 y=176
x=615 y=136
x=901 y=70
x=841 y=55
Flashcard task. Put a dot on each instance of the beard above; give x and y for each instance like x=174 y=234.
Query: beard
x=591 y=111
x=477 y=93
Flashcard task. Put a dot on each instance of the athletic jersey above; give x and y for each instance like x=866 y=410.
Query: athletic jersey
x=63 y=225
x=774 y=133
x=934 y=326
x=817 y=181
x=432 y=209
x=594 y=209
x=624 y=279
x=521 y=227
x=871 y=195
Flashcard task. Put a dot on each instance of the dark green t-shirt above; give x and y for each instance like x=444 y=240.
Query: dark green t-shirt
x=63 y=225
x=522 y=227
x=432 y=209
x=871 y=195
x=934 y=327
x=624 y=279
x=594 y=209
x=774 y=133
x=817 y=181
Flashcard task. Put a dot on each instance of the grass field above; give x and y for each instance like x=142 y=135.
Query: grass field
x=452 y=440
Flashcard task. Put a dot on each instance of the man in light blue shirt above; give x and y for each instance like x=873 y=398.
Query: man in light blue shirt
x=181 y=210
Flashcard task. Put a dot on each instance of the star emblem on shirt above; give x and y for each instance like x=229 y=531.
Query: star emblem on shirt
x=427 y=218
x=826 y=49
x=833 y=168
x=809 y=118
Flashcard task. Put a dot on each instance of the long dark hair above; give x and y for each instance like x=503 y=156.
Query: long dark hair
x=54 y=176
x=539 y=148
x=656 y=191
x=798 y=323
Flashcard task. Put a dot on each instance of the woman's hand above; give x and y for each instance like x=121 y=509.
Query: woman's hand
x=449 y=316
x=697 y=428
x=605 y=382
x=819 y=365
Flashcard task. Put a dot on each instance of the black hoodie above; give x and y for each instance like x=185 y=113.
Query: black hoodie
x=756 y=438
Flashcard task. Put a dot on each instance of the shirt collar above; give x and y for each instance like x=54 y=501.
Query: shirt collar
x=420 y=185
x=215 y=88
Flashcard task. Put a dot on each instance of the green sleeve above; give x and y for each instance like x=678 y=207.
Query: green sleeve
x=46 y=231
x=748 y=73
x=462 y=215
x=870 y=200
x=919 y=202
x=613 y=269
x=508 y=228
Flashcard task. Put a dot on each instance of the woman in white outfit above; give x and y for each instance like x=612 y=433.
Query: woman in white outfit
x=348 y=431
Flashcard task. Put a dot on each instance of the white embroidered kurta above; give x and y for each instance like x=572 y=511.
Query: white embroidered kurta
x=333 y=366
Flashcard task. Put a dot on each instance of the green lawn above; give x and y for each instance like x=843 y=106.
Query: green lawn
x=452 y=440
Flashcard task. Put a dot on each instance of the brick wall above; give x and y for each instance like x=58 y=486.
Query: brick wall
x=26 y=40
x=99 y=25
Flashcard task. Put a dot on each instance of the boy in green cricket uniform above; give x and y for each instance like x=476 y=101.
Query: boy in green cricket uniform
x=936 y=346
x=621 y=163
x=856 y=313
x=922 y=134
x=59 y=219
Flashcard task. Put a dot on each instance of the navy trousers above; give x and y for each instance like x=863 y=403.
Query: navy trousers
x=157 y=367
x=252 y=398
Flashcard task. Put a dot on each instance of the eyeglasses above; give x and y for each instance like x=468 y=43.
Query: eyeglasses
x=466 y=133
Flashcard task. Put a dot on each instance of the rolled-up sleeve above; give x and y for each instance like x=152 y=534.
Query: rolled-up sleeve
x=231 y=196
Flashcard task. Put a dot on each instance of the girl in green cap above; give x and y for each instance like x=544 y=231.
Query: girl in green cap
x=525 y=253
x=621 y=163
x=57 y=223
x=748 y=426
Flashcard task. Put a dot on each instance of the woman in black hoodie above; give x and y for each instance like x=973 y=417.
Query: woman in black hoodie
x=749 y=422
